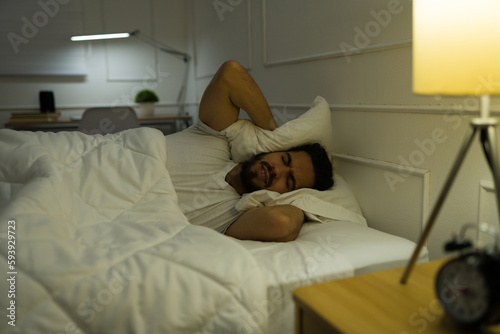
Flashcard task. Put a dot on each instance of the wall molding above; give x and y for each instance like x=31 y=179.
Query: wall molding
x=337 y=53
x=302 y=107
x=393 y=167
x=249 y=26
x=39 y=44
x=396 y=109
x=355 y=51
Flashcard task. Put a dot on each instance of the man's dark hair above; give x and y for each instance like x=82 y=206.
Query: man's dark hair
x=323 y=169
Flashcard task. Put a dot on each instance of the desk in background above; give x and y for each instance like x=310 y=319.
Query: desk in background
x=67 y=124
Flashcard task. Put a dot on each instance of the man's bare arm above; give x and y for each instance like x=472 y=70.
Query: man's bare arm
x=268 y=223
x=231 y=89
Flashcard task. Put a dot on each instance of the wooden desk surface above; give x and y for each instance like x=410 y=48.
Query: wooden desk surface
x=68 y=123
x=378 y=303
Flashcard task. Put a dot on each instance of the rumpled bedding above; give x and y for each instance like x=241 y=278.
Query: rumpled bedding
x=101 y=245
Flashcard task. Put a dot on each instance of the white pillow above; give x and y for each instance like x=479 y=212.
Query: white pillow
x=315 y=125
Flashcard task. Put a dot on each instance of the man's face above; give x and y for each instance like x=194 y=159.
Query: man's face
x=278 y=171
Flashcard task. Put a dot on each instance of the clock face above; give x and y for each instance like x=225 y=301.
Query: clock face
x=463 y=291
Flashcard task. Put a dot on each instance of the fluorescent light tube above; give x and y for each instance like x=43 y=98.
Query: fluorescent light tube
x=100 y=36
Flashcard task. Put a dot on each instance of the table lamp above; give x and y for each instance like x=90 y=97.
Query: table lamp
x=456 y=51
x=137 y=34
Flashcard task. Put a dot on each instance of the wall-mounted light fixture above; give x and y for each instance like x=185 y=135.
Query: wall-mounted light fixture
x=137 y=34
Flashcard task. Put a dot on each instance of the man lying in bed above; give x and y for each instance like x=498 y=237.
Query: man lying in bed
x=209 y=183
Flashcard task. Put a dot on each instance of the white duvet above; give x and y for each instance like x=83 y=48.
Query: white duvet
x=101 y=245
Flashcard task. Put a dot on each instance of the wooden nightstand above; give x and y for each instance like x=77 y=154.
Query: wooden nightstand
x=375 y=303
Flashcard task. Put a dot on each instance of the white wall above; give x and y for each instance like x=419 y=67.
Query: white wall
x=395 y=148
x=116 y=69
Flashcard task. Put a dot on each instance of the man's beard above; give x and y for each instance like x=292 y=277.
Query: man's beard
x=247 y=175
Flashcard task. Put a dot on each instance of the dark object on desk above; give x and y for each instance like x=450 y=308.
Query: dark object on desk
x=108 y=120
x=47 y=102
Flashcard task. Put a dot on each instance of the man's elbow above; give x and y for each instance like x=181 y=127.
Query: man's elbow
x=287 y=225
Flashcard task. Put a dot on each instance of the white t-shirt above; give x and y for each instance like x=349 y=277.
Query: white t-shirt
x=198 y=160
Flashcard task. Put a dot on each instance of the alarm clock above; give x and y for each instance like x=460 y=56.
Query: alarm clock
x=468 y=286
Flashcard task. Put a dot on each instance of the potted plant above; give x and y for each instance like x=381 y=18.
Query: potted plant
x=146 y=99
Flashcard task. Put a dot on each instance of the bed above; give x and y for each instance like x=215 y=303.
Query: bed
x=93 y=241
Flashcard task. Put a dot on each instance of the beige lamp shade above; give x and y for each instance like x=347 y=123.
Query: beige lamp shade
x=456 y=47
